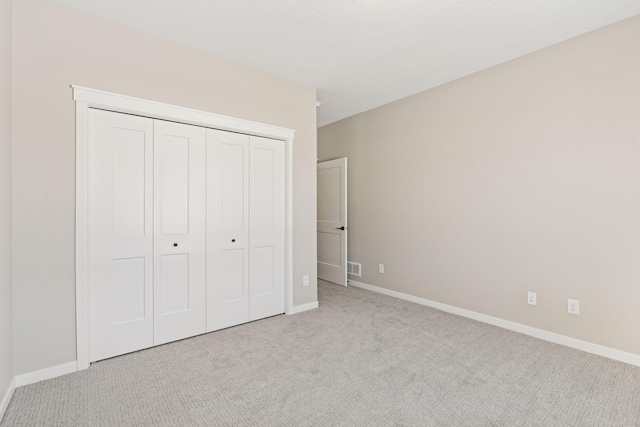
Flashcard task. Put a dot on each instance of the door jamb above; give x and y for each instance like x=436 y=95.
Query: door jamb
x=86 y=98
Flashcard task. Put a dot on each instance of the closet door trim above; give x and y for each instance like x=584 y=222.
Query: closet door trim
x=86 y=98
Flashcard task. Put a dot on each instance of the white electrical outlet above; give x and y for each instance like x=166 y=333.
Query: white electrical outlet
x=532 y=298
x=380 y=268
x=305 y=280
x=573 y=306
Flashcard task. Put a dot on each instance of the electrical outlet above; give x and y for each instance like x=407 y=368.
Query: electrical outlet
x=573 y=306
x=532 y=298
x=380 y=268
x=305 y=280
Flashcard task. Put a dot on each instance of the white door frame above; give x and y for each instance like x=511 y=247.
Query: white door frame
x=91 y=98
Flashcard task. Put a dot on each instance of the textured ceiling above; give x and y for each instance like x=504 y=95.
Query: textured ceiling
x=361 y=54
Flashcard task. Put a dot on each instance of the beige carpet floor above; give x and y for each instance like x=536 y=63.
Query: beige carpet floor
x=361 y=359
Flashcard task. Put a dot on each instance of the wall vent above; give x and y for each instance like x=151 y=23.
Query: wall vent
x=354 y=268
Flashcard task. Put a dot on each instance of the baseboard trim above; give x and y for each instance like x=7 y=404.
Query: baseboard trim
x=46 y=374
x=7 y=398
x=304 y=307
x=600 y=350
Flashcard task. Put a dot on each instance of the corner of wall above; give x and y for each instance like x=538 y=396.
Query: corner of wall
x=7 y=379
x=4 y=403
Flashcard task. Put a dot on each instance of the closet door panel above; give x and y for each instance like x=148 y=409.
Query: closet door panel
x=266 y=270
x=119 y=233
x=174 y=179
x=233 y=276
x=263 y=271
x=129 y=290
x=227 y=229
x=175 y=283
x=129 y=147
x=179 y=223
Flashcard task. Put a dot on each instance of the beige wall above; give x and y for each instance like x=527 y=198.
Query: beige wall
x=523 y=177
x=6 y=325
x=55 y=47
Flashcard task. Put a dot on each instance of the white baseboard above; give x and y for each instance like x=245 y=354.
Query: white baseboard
x=7 y=398
x=600 y=350
x=46 y=374
x=304 y=307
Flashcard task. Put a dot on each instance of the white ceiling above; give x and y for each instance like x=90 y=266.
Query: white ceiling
x=361 y=54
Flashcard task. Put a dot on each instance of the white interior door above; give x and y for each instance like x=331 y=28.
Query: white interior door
x=227 y=229
x=119 y=233
x=266 y=259
x=332 y=221
x=179 y=231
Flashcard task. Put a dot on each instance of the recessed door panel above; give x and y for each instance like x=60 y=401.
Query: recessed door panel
x=329 y=206
x=262 y=202
x=330 y=249
x=179 y=221
x=267 y=227
x=227 y=229
x=174 y=283
x=128 y=292
x=174 y=194
x=233 y=276
x=233 y=186
x=263 y=266
x=119 y=233
x=128 y=166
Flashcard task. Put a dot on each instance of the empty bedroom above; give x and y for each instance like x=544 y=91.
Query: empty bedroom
x=304 y=213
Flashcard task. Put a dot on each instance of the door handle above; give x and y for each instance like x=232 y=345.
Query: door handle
x=340 y=228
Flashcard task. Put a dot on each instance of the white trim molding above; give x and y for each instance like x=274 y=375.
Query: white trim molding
x=46 y=374
x=7 y=398
x=91 y=98
x=600 y=350
x=95 y=98
x=304 y=307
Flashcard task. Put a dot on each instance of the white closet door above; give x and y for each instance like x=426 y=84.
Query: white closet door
x=120 y=233
x=227 y=229
x=266 y=271
x=179 y=231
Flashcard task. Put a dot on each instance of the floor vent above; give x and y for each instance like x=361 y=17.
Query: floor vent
x=354 y=268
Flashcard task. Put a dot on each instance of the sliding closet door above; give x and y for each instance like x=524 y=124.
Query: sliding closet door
x=179 y=231
x=227 y=229
x=119 y=233
x=266 y=270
